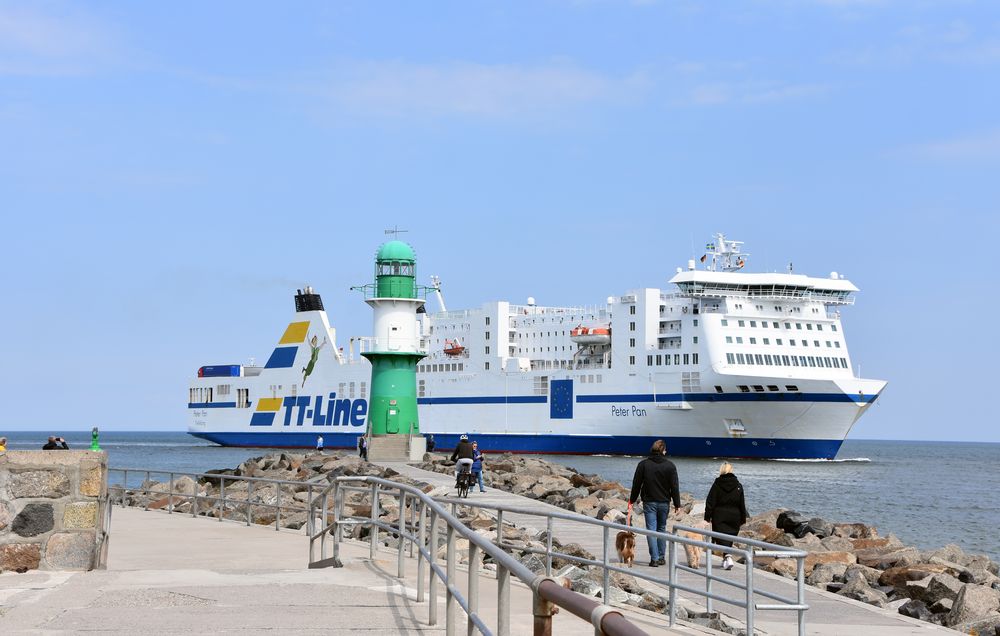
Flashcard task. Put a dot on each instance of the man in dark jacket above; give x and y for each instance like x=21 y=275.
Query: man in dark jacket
x=463 y=454
x=655 y=481
x=55 y=443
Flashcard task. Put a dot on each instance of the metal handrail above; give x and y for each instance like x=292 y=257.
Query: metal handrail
x=547 y=592
x=219 y=502
x=771 y=550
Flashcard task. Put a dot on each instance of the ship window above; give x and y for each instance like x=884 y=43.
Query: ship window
x=792 y=387
x=666 y=359
x=777 y=360
x=774 y=324
x=836 y=363
x=773 y=387
x=798 y=326
x=739 y=340
x=631 y=326
x=826 y=359
x=487 y=351
x=718 y=389
x=725 y=323
x=631 y=360
x=739 y=357
x=767 y=341
x=649 y=361
x=836 y=344
x=788 y=325
x=809 y=326
x=631 y=342
x=767 y=359
x=815 y=343
x=694 y=358
x=834 y=327
x=753 y=323
x=487 y=335
x=729 y=340
x=802 y=359
x=777 y=341
x=791 y=342
x=421 y=388
x=753 y=341
x=659 y=360
x=743 y=388
x=677 y=358
x=750 y=358
x=795 y=361
x=208 y=394
x=805 y=343
x=694 y=322
x=812 y=361
x=758 y=388
x=487 y=367
x=843 y=361
x=763 y=323
x=351 y=389
x=828 y=345
x=741 y=323
x=696 y=340
x=686 y=358
x=819 y=327
x=785 y=359
x=759 y=358
x=730 y=358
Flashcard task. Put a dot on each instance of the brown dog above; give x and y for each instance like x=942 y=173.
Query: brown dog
x=693 y=551
x=625 y=545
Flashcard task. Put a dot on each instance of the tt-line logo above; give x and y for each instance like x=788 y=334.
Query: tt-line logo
x=343 y=412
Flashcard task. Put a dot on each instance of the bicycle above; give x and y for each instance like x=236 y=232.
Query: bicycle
x=464 y=481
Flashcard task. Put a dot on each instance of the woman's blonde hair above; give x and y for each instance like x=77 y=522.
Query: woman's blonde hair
x=725 y=469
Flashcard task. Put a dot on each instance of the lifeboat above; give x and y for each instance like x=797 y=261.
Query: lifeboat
x=453 y=348
x=586 y=336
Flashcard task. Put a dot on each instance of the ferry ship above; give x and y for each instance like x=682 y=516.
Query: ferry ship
x=723 y=363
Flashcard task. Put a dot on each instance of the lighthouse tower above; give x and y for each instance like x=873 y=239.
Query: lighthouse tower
x=392 y=415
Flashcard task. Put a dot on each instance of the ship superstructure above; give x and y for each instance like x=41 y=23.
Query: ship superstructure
x=724 y=363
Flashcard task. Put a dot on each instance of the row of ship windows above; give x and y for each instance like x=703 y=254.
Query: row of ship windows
x=437 y=368
x=665 y=360
x=207 y=395
x=759 y=388
x=767 y=359
x=777 y=325
x=778 y=341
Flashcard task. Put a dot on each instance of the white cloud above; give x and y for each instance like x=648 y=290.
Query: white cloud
x=480 y=90
x=32 y=43
x=751 y=93
x=984 y=145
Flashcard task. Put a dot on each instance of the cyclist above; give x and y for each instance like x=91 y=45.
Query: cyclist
x=463 y=454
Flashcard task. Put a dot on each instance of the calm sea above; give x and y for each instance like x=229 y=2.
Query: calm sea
x=927 y=493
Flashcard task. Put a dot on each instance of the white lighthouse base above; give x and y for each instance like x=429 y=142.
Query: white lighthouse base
x=397 y=448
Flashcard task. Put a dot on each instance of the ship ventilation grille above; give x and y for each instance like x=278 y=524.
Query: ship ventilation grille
x=691 y=382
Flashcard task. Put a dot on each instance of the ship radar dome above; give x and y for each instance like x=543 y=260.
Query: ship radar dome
x=395 y=251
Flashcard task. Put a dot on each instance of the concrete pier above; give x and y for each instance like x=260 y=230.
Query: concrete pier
x=173 y=574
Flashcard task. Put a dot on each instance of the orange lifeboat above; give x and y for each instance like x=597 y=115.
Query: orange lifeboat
x=453 y=348
x=586 y=336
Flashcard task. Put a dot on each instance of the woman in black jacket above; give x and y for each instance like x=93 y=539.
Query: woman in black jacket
x=726 y=509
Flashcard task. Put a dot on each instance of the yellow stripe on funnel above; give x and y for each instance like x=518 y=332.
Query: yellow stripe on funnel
x=269 y=404
x=295 y=333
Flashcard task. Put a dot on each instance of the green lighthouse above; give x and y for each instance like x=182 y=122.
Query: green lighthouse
x=392 y=414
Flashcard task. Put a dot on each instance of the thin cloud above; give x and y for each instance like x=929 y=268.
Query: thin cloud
x=750 y=93
x=476 y=90
x=982 y=146
x=32 y=43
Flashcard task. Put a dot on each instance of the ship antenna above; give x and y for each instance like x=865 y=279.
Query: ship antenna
x=395 y=232
x=436 y=286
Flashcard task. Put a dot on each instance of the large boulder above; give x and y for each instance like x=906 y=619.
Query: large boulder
x=815 y=558
x=972 y=603
x=824 y=573
x=898 y=576
x=790 y=521
x=943 y=586
x=859 y=590
x=878 y=558
x=916 y=609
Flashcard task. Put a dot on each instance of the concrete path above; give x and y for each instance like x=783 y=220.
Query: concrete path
x=174 y=574
x=829 y=614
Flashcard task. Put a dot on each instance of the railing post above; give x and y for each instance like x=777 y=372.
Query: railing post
x=449 y=598
x=402 y=528
x=432 y=610
x=373 y=535
x=338 y=496
x=708 y=576
x=607 y=574
x=473 y=597
x=277 y=507
x=422 y=545
x=672 y=580
x=548 y=548
x=170 y=501
x=750 y=601
x=249 y=505
x=222 y=497
x=503 y=601
x=800 y=583
x=542 y=609
x=148 y=491
x=124 y=487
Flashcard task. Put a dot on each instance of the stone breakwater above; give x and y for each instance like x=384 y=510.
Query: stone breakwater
x=944 y=586
x=51 y=510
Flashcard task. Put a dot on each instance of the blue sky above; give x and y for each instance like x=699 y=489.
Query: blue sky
x=170 y=173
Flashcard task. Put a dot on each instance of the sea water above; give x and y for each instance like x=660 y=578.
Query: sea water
x=927 y=493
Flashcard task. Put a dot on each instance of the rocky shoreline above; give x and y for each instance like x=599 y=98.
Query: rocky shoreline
x=944 y=586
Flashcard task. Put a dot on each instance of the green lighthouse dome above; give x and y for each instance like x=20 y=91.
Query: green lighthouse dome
x=395 y=251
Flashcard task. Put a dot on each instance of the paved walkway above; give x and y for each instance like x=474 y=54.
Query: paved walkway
x=174 y=574
x=828 y=613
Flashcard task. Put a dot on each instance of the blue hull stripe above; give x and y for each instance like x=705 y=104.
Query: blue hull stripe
x=559 y=444
x=730 y=397
x=486 y=399
x=211 y=405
